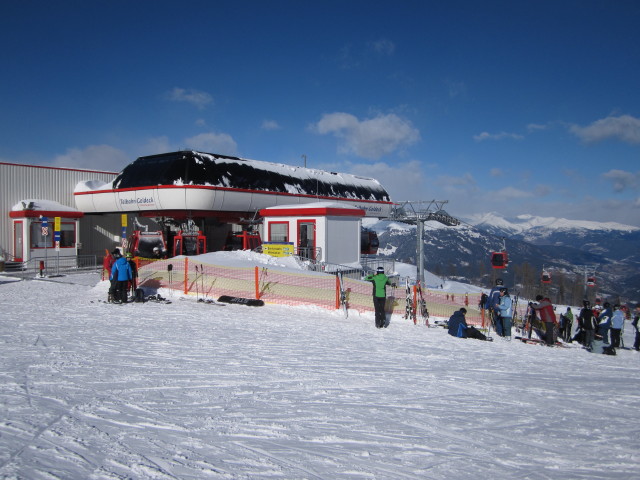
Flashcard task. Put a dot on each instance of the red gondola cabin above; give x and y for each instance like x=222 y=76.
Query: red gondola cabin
x=499 y=260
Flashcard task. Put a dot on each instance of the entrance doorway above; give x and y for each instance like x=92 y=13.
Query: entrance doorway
x=307 y=239
x=18 y=241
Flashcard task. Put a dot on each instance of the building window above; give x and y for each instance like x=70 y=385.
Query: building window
x=279 y=232
x=67 y=235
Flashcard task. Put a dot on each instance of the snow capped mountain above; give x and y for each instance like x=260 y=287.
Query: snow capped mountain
x=526 y=223
x=561 y=245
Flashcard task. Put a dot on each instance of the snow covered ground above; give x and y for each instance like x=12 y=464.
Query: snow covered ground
x=90 y=390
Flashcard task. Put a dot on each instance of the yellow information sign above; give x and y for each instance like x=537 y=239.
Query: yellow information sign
x=56 y=224
x=124 y=219
x=278 y=249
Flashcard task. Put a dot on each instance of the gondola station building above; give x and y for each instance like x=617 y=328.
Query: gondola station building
x=183 y=203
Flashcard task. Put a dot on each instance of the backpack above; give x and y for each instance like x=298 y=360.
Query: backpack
x=138 y=295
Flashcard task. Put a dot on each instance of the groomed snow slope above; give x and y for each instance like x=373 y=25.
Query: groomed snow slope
x=192 y=391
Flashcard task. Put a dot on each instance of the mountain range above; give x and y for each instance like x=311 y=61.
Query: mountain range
x=564 y=248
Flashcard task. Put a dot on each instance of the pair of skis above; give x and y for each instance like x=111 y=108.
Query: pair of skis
x=343 y=296
x=415 y=304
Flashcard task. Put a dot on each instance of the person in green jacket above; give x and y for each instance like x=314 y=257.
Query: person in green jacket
x=380 y=282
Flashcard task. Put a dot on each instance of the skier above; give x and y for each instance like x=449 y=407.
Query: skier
x=567 y=325
x=617 y=322
x=548 y=317
x=120 y=277
x=380 y=282
x=506 y=312
x=492 y=303
x=587 y=322
x=604 y=322
x=636 y=318
x=458 y=326
x=133 y=284
x=107 y=262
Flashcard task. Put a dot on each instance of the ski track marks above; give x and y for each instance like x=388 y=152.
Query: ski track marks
x=186 y=391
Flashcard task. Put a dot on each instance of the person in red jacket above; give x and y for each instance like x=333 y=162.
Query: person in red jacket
x=107 y=263
x=548 y=317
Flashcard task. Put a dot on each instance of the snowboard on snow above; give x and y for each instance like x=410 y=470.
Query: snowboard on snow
x=250 y=302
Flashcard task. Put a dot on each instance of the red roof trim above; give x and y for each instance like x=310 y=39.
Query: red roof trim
x=313 y=211
x=229 y=189
x=44 y=213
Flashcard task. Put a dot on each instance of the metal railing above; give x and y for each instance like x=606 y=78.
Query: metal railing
x=41 y=266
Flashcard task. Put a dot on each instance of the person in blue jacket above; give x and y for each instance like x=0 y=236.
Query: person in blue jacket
x=505 y=307
x=492 y=306
x=121 y=275
x=604 y=322
x=458 y=326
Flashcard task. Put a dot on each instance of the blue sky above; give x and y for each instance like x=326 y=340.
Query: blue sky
x=528 y=107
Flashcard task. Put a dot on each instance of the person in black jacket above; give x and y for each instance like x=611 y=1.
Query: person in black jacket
x=458 y=326
x=588 y=322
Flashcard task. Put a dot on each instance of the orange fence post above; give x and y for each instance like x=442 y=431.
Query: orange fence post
x=337 y=292
x=257 y=278
x=186 y=275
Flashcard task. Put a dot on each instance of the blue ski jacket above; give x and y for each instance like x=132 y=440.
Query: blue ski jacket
x=505 y=307
x=121 y=271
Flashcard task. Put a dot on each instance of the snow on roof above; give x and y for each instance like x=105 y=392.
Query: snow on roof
x=41 y=206
x=198 y=168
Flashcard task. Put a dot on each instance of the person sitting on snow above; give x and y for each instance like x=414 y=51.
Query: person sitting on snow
x=458 y=326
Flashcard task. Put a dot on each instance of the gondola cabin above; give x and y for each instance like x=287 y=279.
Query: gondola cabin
x=189 y=243
x=591 y=281
x=546 y=277
x=499 y=260
x=369 y=242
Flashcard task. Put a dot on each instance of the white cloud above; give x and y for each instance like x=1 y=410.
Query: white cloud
x=624 y=127
x=93 y=157
x=371 y=138
x=497 y=136
x=221 y=143
x=195 y=97
x=270 y=125
x=623 y=180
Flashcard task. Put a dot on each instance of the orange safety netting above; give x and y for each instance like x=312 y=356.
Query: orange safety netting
x=292 y=288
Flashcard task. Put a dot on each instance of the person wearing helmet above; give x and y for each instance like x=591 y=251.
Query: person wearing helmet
x=604 y=323
x=505 y=309
x=380 y=282
x=121 y=274
x=493 y=306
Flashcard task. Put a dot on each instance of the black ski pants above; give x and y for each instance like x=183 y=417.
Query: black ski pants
x=615 y=337
x=381 y=316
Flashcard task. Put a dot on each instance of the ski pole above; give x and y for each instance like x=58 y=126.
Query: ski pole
x=202 y=280
x=196 y=280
